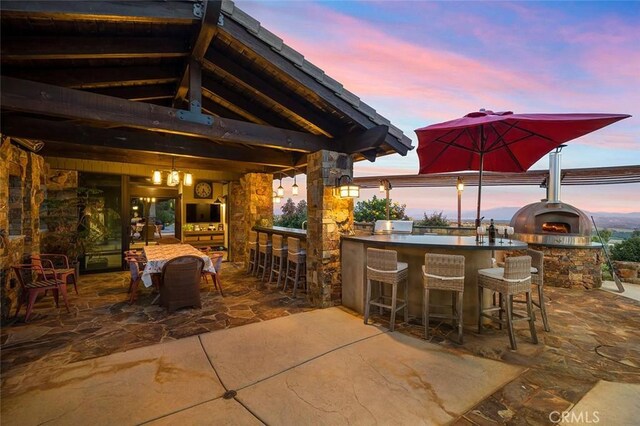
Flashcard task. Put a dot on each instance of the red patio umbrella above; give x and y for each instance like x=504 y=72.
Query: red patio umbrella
x=500 y=141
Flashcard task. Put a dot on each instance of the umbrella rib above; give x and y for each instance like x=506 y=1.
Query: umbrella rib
x=506 y=146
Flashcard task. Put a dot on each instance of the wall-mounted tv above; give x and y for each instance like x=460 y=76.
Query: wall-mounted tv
x=203 y=212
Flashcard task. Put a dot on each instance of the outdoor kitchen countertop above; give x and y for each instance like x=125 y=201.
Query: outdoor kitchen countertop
x=281 y=230
x=437 y=241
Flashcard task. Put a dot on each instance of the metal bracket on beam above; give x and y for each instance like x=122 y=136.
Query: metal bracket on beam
x=195 y=117
x=197 y=10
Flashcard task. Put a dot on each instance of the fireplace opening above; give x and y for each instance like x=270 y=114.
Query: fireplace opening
x=556 y=227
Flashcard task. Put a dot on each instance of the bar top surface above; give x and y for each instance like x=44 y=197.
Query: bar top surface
x=292 y=232
x=436 y=241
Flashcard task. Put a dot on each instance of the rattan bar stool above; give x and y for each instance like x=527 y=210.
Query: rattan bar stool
x=252 y=264
x=537 y=278
x=513 y=279
x=278 y=257
x=443 y=272
x=296 y=265
x=264 y=254
x=383 y=267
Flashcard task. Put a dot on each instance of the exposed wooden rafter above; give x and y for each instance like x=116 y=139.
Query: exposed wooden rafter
x=136 y=140
x=38 y=98
x=174 y=12
x=208 y=28
x=34 y=48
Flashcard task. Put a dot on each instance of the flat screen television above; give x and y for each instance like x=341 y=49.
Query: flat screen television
x=202 y=212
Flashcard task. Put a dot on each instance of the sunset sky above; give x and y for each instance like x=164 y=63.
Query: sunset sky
x=421 y=62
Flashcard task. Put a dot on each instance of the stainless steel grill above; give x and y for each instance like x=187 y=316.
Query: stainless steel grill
x=393 y=227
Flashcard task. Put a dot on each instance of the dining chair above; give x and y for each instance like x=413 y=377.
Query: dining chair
x=30 y=289
x=180 y=282
x=216 y=260
x=136 y=276
x=55 y=266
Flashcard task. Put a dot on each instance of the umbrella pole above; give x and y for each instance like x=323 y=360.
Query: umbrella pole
x=479 y=191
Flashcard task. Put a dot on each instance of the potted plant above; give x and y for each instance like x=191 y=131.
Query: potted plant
x=70 y=230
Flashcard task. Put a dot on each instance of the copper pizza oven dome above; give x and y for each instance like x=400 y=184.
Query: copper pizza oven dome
x=552 y=224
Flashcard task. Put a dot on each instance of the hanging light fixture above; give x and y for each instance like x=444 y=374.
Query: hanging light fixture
x=294 y=188
x=280 y=188
x=173 y=176
x=347 y=190
x=156 y=177
x=276 y=199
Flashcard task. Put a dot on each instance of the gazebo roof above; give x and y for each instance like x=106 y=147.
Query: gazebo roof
x=111 y=81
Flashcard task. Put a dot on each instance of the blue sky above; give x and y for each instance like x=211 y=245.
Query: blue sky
x=420 y=62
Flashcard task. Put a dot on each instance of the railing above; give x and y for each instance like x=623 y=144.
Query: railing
x=367 y=228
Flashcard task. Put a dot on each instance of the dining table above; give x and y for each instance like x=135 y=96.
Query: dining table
x=158 y=255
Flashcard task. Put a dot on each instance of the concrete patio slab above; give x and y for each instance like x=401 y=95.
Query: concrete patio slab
x=386 y=379
x=219 y=412
x=608 y=403
x=123 y=388
x=275 y=346
x=631 y=291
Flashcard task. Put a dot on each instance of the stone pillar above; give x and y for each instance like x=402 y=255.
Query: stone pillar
x=21 y=193
x=329 y=216
x=250 y=203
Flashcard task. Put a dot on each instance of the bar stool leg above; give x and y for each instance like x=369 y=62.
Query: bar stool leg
x=532 y=321
x=543 y=309
x=425 y=313
x=406 y=300
x=297 y=277
x=273 y=270
x=512 y=337
x=480 y=307
x=394 y=294
x=460 y=313
x=280 y=266
x=368 y=304
x=380 y=295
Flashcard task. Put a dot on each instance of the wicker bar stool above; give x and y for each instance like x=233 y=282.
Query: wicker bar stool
x=443 y=272
x=264 y=254
x=383 y=267
x=296 y=265
x=513 y=279
x=537 y=278
x=252 y=264
x=278 y=257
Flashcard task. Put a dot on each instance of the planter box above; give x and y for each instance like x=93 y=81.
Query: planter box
x=627 y=271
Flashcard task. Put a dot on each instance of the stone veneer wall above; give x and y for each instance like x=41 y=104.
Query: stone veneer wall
x=21 y=207
x=575 y=267
x=250 y=203
x=328 y=218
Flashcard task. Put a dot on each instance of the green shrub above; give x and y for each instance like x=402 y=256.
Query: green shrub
x=627 y=251
x=435 y=219
x=376 y=209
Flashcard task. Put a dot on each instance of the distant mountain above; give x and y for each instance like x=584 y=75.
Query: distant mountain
x=603 y=219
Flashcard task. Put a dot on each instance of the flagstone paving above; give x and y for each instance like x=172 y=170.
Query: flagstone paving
x=595 y=337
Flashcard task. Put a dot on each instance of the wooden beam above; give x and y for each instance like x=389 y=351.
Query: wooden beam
x=363 y=141
x=38 y=98
x=208 y=28
x=149 y=142
x=234 y=32
x=219 y=64
x=91 y=78
x=217 y=110
x=174 y=12
x=67 y=48
x=163 y=161
x=217 y=92
x=138 y=93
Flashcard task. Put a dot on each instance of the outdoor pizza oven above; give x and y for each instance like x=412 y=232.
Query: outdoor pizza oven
x=552 y=222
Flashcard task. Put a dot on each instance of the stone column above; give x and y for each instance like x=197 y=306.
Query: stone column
x=250 y=203
x=329 y=216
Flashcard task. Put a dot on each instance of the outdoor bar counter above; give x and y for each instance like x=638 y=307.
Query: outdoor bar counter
x=281 y=230
x=411 y=249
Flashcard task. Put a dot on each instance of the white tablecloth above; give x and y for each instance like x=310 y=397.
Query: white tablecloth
x=158 y=255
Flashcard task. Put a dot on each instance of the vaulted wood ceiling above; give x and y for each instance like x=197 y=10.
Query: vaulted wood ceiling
x=131 y=81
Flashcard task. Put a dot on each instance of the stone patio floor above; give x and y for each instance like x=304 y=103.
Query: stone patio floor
x=595 y=337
